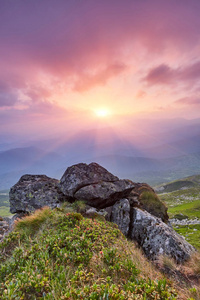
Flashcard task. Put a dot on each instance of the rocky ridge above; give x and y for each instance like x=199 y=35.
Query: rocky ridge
x=134 y=207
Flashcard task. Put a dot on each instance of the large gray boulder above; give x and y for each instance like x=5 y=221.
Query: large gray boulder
x=120 y=215
x=81 y=175
x=32 y=192
x=104 y=194
x=157 y=238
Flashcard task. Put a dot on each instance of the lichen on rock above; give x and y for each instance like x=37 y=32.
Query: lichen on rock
x=157 y=238
x=32 y=192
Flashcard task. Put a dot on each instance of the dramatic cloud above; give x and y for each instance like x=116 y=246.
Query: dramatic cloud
x=54 y=52
x=65 y=36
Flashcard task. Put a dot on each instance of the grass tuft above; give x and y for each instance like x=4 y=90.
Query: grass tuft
x=31 y=224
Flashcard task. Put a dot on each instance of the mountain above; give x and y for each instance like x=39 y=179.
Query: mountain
x=190 y=182
x=142 y=152
x=26 y=158
x=16 y=162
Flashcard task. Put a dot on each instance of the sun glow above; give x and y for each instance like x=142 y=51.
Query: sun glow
x=102 y=112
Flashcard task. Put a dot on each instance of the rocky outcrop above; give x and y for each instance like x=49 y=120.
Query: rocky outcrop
x=153 y=235
x=81 y=175
x=33 y=192
x=104 y=194
x=134 y=207
x=156 y=238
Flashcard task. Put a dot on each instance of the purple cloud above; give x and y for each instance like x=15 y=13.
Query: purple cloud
x=163 y=74
x=77 y=44
x=7 y=95
x=7 y=100
x=62 y=37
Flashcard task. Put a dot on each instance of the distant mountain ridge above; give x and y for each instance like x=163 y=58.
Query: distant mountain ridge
x=153 y=154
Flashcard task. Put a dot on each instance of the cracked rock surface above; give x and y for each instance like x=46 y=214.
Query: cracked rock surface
x=104 y=194
x=156 y=238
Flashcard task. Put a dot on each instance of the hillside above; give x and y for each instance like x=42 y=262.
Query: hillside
x=65 y=246
x=4 y=203
x=60 y=254
x=183 y=200
x=18 y=161
x=180 y=184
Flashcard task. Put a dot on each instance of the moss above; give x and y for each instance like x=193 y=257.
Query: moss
x=151 y=202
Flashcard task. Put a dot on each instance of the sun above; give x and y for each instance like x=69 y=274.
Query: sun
x=102 y=112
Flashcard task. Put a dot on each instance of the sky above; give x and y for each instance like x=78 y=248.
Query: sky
x=69 y=65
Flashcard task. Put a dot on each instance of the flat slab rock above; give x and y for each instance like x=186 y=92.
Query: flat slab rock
x=32 y=192
x=104 y=194
x=156 y=238
x=80 y=175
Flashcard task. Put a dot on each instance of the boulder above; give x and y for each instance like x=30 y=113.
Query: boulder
x=81 y=175
x=148 y=200
x=104 y=194
x=121 y=215
x=157 y=238
x=32 y=192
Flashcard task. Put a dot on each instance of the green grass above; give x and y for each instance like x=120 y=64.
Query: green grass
x=190 y=209
x=4 y=204
x=191 y=234
x=4 y=198
x=181 y=196
x=5 y=211
x=66 y=256
x=185 y=202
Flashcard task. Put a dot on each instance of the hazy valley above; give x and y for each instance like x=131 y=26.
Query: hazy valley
x=158 y=156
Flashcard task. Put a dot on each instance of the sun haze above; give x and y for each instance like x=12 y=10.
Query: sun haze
x=102 y=112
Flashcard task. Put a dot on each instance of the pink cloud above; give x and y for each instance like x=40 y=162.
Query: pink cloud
x=87 y=81
x=86 y=44
x=188 y=101
x=65 y=38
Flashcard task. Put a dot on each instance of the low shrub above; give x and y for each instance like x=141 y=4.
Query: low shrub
x=71 y=257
